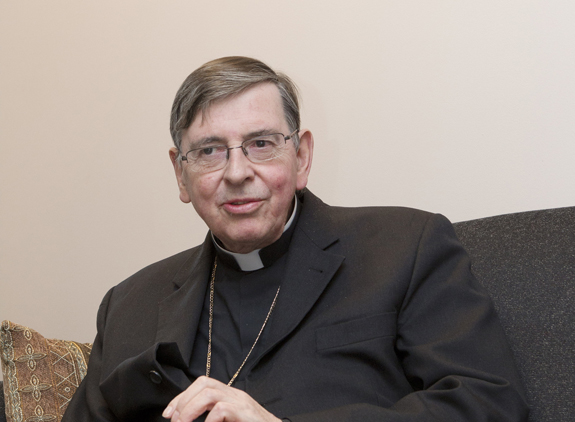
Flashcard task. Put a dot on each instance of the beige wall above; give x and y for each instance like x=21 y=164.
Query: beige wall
x=460 y=107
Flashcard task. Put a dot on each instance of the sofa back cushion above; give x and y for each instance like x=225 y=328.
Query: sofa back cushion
x=527 y=263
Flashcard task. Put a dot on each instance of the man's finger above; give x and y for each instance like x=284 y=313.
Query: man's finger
x=202 y=402
x=169 y=410
x=208 y=388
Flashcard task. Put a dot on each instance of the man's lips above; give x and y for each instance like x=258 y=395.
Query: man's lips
x=242 y=206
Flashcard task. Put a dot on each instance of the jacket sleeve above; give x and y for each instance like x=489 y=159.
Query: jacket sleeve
x=87 y=404
x=450 y=344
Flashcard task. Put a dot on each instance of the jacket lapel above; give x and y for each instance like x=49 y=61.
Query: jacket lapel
x=178 y=318
x=179 y=314
x=309 y=269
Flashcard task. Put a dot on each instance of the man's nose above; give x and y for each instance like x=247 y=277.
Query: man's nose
x=238 y=147
x=239 y=167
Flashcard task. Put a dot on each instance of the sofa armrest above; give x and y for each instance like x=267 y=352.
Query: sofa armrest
x=40 y=375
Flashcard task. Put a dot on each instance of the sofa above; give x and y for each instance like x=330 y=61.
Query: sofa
x=526 y=261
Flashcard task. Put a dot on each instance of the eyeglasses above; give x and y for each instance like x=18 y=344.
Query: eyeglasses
x=212 y=157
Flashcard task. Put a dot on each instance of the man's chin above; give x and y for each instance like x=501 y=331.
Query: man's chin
x=247 y=242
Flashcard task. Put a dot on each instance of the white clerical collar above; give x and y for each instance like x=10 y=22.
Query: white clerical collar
x=252 y=261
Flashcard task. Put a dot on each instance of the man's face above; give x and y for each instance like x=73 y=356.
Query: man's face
x=245 y=205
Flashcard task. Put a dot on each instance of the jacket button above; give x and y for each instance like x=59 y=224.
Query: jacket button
x=155 y=377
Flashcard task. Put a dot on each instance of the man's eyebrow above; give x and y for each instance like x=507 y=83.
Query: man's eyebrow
x=208 y=140
x=260 y=133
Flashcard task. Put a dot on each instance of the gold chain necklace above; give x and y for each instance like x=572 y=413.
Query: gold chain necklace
x=211 y=322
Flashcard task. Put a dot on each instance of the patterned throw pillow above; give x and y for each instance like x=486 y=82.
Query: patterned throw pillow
x=40 y=374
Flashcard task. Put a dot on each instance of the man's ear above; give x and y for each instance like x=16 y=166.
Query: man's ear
x=304 y=158
x=180 y=176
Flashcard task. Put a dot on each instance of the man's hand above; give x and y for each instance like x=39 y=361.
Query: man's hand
x=224 y=404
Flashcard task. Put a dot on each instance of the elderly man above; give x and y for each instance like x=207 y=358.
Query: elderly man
x=292 y=309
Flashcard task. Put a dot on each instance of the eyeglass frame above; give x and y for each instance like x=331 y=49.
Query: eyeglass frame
x=184 y=157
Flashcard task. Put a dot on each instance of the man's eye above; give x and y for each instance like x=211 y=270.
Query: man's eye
x=262 y=143
x=210 y=151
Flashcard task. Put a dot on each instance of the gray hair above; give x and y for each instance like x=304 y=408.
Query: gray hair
x=222 y=78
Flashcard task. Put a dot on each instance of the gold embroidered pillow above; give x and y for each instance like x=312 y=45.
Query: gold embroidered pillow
x=40 y=374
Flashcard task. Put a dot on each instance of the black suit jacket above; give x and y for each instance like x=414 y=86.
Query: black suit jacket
x=379 y=318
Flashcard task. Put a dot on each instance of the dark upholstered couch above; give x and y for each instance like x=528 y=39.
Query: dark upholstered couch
x=527 y=263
